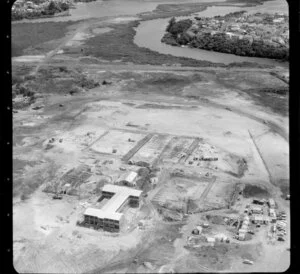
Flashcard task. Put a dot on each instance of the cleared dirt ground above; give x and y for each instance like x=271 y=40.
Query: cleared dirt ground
x=90 y=125
x=90 y=111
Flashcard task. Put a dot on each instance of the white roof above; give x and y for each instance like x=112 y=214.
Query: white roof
x=210 y=239
x=109 y=210
x=115 y=202
x=129 y=191
x=258 y=208
x=131 y=176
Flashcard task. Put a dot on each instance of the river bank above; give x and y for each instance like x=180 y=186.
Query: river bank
x=128 y=41
x=118 y=45
x=257 y=35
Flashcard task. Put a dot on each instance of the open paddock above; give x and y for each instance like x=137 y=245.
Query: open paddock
x=178 y=191
x=81 y=137
x=117 y=142
x=209 y=157
x=276 y=161
x=219 y=193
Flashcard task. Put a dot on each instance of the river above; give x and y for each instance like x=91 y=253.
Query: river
x=149 y=34
x=101 y=9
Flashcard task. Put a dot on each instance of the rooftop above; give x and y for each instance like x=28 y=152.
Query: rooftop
x=123 y=189
x=110 y=209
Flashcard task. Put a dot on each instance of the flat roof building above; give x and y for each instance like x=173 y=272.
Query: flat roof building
x=128 y=179
x=109 y=216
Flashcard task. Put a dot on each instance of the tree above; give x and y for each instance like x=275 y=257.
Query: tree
x=172 y=21
x=180 y=26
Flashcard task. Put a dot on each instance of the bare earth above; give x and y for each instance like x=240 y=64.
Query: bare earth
x=92 y=128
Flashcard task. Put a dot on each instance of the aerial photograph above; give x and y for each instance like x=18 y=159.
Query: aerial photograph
x=150 y=136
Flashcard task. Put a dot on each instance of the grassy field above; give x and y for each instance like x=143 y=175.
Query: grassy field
x=118 y=45
x=25 y=35
x=279 y=103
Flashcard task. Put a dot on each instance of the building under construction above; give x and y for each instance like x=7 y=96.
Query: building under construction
x=109 y=217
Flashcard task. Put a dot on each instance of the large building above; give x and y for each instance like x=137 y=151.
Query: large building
x=109 y=217
x=128 y=179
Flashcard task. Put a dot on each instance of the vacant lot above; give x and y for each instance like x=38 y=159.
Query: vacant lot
x=33 y=35
x=117 y=142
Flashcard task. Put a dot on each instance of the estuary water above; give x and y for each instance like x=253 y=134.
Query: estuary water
x=150 y=32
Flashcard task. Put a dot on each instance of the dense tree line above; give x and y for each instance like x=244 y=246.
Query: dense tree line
x=52 y=8
x=243 y=47
x=220 y=42
x=179 y=27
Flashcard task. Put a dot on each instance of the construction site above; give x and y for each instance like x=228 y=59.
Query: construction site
x=122 y=182
x=136 y=161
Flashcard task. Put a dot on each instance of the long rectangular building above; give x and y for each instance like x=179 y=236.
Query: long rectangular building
x=109 y=216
